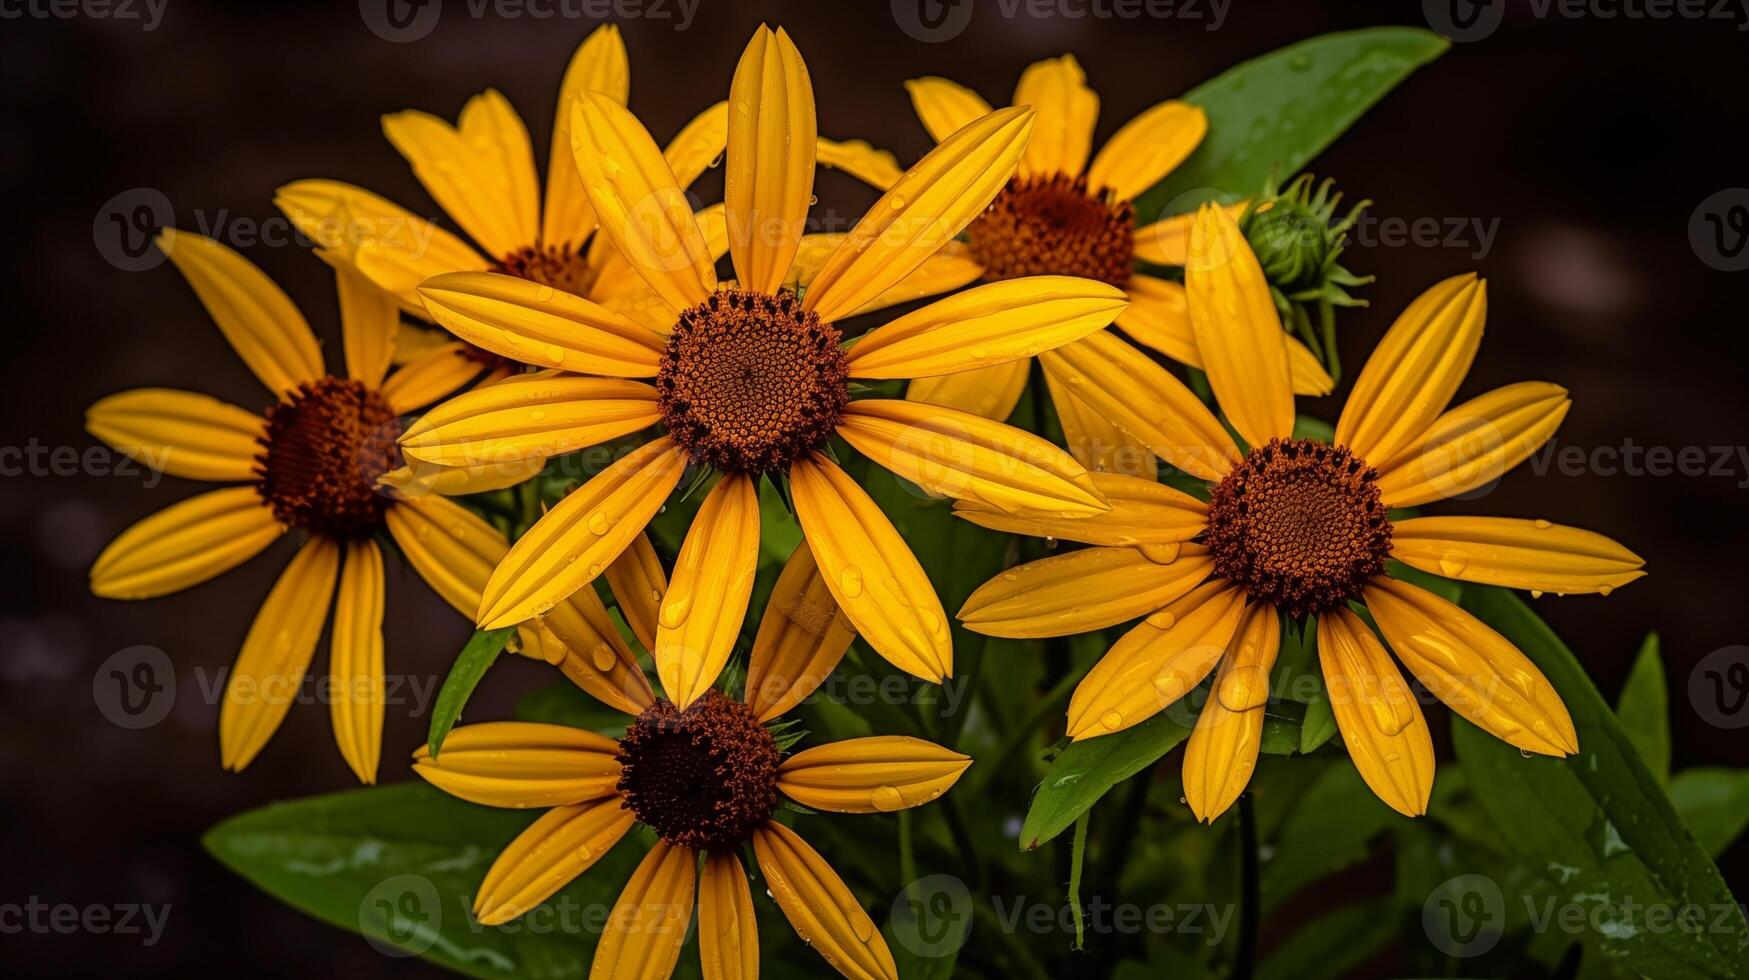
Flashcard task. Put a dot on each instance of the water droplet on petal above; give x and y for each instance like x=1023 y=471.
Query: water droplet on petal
x=604 y=658
x=886 y=799
x=600 y=523
x=850 y=581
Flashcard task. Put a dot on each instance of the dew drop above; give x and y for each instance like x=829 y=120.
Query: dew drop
x=604 y=658
x=1112 y=720
x=600 y=523
x=1542 y=525
x=886 y=799
x=850 y=581
x=676 y=609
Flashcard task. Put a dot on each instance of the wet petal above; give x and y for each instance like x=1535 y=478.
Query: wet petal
x=558 y=847
x=1222 y=751
x=431 y=376
x=1474 y=444
x=648 y=924
x=700 y=617
x=180 y=433
x=825 y=914
x=185 y=544
x=600 y=65
x=1080 y=591
x=989 y=393
x=728 y=936
x=356 y=660
x=1095 y=441
x=770 y=173
x=1147 y=148
x=870 y=775
x=945 y=106
x=1534 y=555
x=1143 y=513
x=639 y=583
x=521 y=764
x=535 y=324
x=276 y=653
x=253 y=313
x=1067 y=109
x=802 y=636
x=530 y=415
x=481 y=173
x=1238 y=332
x=1382 y=725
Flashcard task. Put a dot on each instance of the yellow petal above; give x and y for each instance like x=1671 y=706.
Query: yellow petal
x=572 y=544
x=877 y=168
x=1157 y=662
x=600 y=65
x=1518 y=554
x=1238 y=332
x=700 y=617
x=180 y=433
x=452 y=548
x=945 y=271
x=535 y=324
x=418 y=478
x=944 y=106
x=1147 y=148
x=276 y=653
x=1382 y=725
x=802 y=636
x=823 y=911
x=639 y=584
x=1222 y=750
x=960 y=455
x=728 y=936
x=770 y=173
x=1081 y=591
x=1477 y=672
x=253 y=313
x=1124 y=386
x=648 y=924
x=522 y=764
x=592 y=653
x=1474 y=444
x=1415 y=369
x=389 y=245
x=357 y=660
x=1057 y=90
x=989 y=393
x=1094 y=441
x=870 y=775
x=370 y=322
x=1143 y=513
x=871 y=572
x=698 y=145
x=558 y=847
x=925 y=209
x=1159 y=316
x=640 y=205
x=185 y=544
x=1167 y=241
x=482 y=176
x=530 y=415
x=987 y=325
x=433 y=375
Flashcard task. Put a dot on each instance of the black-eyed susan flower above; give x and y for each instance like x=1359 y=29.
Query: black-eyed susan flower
x=1302 y=528
x=1062 y=215
x=311 y=462
x=750 y=377
x=707 y=778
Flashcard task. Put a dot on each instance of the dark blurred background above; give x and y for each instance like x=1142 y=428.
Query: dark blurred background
x=1561 y=158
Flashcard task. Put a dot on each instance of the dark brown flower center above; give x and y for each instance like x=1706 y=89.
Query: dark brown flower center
x=701 y=778
x=324 y=449
x=559 y=266
x=1300 y=525
x=751 y=382
x=1055 y=226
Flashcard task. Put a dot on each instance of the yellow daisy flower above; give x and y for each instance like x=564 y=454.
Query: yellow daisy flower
x=1062 y=215
x=1302 y=528
x=707 y=778
x=751 y=379
x=312 y=462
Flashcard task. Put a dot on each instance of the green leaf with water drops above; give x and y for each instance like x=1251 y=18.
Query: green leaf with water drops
x=1598 y=826
x=1273 y=114
x=1086 y=770
x=464 y=675
x=1644 y=709
x=400 y=866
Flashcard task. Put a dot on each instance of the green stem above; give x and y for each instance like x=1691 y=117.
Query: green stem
x=1327 y=314
x=1245 y=960
x=1077 y=859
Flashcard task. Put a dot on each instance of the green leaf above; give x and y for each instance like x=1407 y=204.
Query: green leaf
x=1277 y=112
x=1329 y=947
x=1644 y=709
x=1597 y=826
x=464 y=675
x=400 y=865
x=1330 y=828
x=1714 y=804
x=1085 y=771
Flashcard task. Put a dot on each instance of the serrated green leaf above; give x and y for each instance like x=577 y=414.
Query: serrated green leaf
x=1085 y=771
x=1275 y=113
x=400 y=865
x=464 y=675
x=1644 y=709
x=1597 y=826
